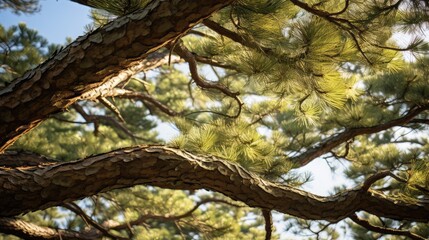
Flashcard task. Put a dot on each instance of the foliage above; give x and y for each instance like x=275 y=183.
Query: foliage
x=308 y=74
x=21 y=49
x=20 y=6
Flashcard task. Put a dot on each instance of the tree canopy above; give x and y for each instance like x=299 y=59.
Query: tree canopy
x=257 y=90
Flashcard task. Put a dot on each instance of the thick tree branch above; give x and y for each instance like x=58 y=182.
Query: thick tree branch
x=92 y=60
x=32 y=231
x=34 y=188
x=328 y=144
x=13 y=159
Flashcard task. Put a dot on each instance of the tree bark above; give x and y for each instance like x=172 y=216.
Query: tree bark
x=32 y=231
x=92 y=60
x=34 y=188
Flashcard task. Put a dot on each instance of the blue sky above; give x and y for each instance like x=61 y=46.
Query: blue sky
x=57 y=20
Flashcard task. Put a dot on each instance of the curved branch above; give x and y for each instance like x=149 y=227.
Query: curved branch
x=366 y=224
x=374 y=178
x=124 y=93
x=328 y=144
x=28 y=230
x=78 y=211
x=190 y=58
x=34 y=188
x=346 y=6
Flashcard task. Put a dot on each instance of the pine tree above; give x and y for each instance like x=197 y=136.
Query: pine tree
x=258 y=89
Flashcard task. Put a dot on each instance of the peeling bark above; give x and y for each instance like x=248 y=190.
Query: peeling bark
x=92 y=60
x=33 y=188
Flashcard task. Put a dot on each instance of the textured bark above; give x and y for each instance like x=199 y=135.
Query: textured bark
x=31 y=231
x=92 y=60
x=13 y=159
x=33 y=188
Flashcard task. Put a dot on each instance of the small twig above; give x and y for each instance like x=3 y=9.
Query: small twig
x=201 y=34
x=211 y=62
x=366 y=224
x=268 y=223
x=402 y=180
x=78 y=211
x=145 y=97
x=347 y=3
x=106 y=120
x=190 y=58
x=188 y=213
x=112 y=108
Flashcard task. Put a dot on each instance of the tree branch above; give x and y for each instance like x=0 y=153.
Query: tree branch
x=78 y=211
x=402 y=180
x=374 y=178
x=93 y=59
x=328 y=144
x=109 y=105
x=366 y=224
x=144 y=217
x=34 y=188
x=268 y=223
x=124 y=93
x=106 y=120
x=13 y=159
x=245 y=41
x=32 y=231
x=189 y=57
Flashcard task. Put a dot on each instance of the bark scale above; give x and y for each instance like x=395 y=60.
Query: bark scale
x=32 y=231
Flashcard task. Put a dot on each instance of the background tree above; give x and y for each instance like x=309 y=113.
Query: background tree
x=257 y=90
x=20 y=6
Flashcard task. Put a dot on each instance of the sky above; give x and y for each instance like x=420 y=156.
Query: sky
x=59 y=19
